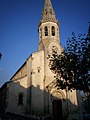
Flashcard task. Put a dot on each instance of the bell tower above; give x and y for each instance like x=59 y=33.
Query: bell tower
x=48 y=27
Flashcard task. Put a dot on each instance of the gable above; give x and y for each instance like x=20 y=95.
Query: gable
x=21 y=72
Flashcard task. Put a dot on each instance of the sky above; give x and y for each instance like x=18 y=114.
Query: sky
x=19 y=28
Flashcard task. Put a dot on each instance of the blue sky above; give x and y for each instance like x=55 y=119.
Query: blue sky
x=19 y=23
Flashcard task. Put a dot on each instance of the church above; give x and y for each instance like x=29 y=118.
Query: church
x=31 y=90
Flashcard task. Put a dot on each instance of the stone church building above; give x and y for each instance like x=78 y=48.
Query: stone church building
x=31 y=91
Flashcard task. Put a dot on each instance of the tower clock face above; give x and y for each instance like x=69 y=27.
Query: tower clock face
x=54 y=47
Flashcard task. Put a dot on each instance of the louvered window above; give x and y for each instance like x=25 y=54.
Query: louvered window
x=46 y=31
x=53 y=31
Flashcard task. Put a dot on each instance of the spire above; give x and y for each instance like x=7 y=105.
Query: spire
x=48 y=13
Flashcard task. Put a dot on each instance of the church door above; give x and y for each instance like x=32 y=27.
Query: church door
x=57 y=110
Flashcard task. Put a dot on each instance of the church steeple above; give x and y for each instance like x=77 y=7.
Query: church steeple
x=48 y=13
x=48 y=27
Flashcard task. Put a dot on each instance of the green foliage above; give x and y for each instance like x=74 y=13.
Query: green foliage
x=72 y=67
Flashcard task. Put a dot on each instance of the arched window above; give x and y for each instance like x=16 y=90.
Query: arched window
x=46 y=31
x=39 y=69
x=20 y=99
x=53 y=31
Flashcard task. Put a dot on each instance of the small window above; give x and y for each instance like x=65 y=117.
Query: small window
x=39 y=69
x=51 y=11
x=20 y=99
x=45 y=11
x=46 y=31
x=53 y=31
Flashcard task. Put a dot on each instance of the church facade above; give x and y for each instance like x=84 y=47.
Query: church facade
x=31 y=91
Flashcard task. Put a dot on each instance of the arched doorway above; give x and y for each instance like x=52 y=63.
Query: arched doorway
x=57 y=110
x=57 y=104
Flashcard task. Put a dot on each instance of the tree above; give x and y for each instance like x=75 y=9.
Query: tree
x=72 y=66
